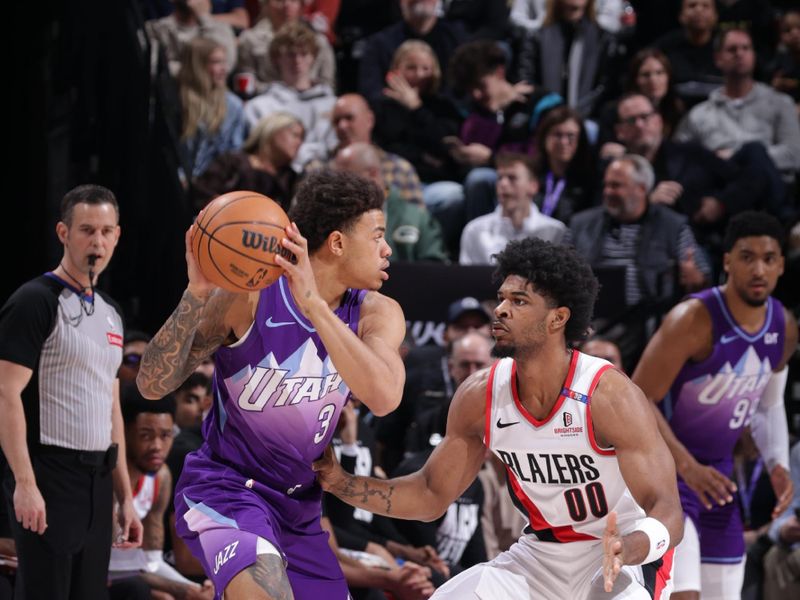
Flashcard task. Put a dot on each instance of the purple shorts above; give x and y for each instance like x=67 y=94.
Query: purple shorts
x=220 y=514
x=720 y=529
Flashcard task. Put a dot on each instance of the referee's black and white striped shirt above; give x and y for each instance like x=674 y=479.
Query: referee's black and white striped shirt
x=74 y=358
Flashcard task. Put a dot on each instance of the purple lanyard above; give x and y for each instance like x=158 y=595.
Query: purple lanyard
x=746 y=488
x=551 y=194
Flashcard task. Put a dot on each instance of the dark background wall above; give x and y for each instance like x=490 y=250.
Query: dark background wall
x=83 y=110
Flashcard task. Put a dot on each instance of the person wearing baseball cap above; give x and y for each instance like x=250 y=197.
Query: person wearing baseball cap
x=465 y=315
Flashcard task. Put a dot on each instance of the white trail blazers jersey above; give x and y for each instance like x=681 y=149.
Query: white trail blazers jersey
x=561 y=481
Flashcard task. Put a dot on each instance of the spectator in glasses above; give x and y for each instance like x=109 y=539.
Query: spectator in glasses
x=133 y=346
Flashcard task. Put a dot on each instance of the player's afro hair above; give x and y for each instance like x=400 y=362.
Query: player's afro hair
x=559 y=274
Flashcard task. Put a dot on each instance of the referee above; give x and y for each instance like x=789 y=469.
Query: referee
x=61 y=427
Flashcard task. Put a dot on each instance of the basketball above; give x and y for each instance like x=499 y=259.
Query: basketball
x=236 y=240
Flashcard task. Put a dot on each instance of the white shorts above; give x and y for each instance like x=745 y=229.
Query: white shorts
x=541 y=570
x=716 y=581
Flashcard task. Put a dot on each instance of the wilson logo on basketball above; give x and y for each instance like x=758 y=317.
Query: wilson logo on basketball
x=270 y=244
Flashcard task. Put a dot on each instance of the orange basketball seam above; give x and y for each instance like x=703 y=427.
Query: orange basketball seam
x=255 y=195
x=226 y=223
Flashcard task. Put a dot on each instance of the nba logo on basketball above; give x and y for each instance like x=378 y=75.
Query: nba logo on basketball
x=255 y=280
x=567 y=419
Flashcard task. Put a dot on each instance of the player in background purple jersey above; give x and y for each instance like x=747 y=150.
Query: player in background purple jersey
x=247 y=502
x=716 y=365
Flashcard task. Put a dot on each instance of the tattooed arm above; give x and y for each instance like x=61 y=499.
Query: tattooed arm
x=426 y=494
x=206 y=317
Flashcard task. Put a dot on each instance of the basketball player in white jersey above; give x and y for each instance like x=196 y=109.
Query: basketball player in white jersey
x=584 y=460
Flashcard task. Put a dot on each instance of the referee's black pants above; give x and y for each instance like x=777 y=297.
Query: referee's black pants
x=69 y=561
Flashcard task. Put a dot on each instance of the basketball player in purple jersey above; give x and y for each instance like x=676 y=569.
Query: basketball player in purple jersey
x=585 y=463
x=247 y=502
x=718 y=362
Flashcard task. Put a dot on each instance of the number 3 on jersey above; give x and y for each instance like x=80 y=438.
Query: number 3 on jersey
x=595 y=497
x=324 y=418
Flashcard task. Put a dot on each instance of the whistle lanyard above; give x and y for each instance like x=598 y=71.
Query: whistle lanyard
x=552 y=194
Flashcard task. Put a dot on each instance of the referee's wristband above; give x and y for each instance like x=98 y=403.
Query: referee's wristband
x=658 y=536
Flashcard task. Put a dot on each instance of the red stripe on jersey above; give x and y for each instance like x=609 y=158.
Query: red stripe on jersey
x=664 y=573
x=557 y=406
x=562 y=533
x=489 y=387
x=596 y=379
x=589 y=423
x=139 y=484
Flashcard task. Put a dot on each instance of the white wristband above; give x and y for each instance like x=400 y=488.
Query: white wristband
x=658 y=536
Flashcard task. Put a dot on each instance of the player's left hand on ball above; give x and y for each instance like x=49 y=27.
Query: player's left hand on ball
x=199 y=285
x=298 y=272
x=612 y=552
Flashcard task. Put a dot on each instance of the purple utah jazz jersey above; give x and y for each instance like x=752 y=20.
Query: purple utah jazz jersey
x=277 y=395
x=711 y=401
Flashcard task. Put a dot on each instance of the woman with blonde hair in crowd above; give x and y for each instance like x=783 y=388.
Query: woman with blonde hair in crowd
x=212 y=116
x=263 y=165
x=412 y=119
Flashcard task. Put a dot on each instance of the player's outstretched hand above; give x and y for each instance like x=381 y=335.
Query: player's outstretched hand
x=329 y=471
x=612 y=552
x=298 y=273
x=711 y=486
x=783 y=488
x=199 y=286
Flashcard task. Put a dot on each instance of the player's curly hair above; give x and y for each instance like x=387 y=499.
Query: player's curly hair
x=556 y=272
x=329 y=201
x=753 y=223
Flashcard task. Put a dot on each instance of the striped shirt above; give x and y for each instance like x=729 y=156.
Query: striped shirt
x=74 y=358
x=620 y=246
